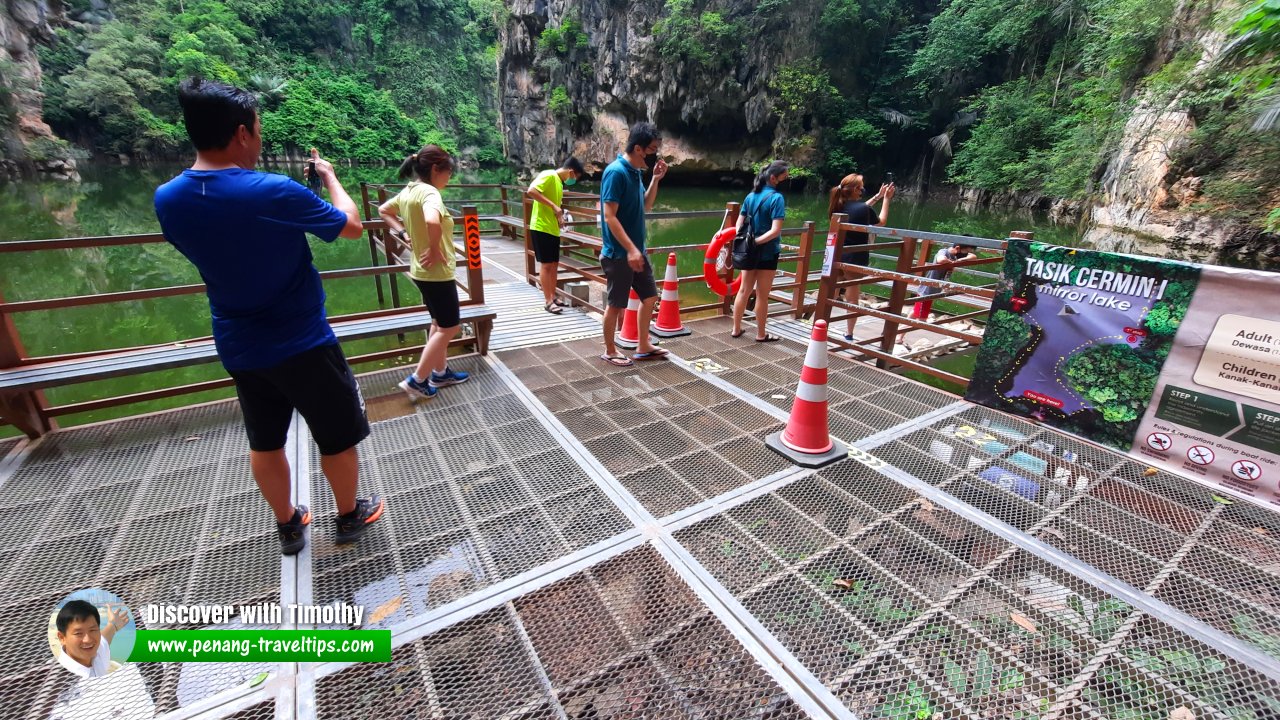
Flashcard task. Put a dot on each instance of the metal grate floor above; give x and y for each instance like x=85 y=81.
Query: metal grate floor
x=565 y=539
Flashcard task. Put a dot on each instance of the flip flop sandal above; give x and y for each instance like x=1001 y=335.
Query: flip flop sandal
x=617 y=360
x=768 y=338
x=560 y=303
x=656 y=354
x=553 y=308
x=738 y=334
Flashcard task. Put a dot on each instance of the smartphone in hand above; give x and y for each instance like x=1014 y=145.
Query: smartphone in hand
x=313 y=178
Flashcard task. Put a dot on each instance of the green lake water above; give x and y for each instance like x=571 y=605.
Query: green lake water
x=115 y=200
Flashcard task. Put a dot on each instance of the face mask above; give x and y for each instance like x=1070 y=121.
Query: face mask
x=651 y=160
x=570 y=181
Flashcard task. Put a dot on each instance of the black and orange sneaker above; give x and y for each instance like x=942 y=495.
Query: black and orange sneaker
x=292 y=537
x=352 y=525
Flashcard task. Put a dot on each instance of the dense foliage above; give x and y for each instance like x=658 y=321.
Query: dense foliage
x=1009 y=95
x=1002 y=95
x=358 y=79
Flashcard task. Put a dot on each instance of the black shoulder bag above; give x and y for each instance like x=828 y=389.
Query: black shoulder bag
x=744 y=244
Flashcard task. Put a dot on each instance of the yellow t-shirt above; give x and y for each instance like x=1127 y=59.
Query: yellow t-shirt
x=411 y=205
x=548 y=183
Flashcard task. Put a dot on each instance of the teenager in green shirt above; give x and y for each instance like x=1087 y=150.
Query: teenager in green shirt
x=547 y=191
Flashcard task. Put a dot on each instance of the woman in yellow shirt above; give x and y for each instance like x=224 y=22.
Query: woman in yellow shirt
x=419 y=212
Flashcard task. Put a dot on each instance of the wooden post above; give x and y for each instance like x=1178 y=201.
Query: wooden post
x=530 y=269
x=25 y=410
x=830 y=258
x=906 y=256
x=802 y=271
x=502 y=191
x=925 y=248
x=388 y=244
x=475 y=264
x=373 y=239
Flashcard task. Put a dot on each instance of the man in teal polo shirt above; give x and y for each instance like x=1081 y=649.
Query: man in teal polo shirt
x=626 y=267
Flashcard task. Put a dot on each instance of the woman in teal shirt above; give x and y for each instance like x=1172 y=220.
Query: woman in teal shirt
x=765 y=208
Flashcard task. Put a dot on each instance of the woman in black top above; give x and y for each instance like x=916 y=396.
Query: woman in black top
x=847 y=198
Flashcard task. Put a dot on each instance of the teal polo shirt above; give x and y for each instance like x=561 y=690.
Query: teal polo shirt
x=623 y=184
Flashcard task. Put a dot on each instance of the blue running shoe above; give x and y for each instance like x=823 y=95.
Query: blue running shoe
x=417 y=389
x=448 y=377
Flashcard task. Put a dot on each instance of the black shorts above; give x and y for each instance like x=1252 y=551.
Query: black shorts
x=317 y=383
x=621 y=280
x=855 y=258
x=756 y=263
x=546 y=247
x=441 y=299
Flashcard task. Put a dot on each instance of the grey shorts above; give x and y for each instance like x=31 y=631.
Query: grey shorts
x=621 y=280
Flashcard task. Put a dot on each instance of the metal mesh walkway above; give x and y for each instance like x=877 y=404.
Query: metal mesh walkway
x=565 y=539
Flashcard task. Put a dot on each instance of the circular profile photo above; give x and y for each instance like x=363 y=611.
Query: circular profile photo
x=91 y=633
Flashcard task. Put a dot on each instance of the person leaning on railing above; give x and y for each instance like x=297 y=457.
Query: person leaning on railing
x=547 y=191
x=945 y=256
x=246 y=232
x=847 y=198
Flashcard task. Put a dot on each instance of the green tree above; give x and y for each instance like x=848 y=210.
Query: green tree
x=1116 y=378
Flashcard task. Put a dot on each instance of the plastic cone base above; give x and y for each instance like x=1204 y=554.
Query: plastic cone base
x=678 y=332
x=838 y=451
x=628 y=344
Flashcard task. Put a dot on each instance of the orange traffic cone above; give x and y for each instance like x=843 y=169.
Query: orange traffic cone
x=629 y=337
x=807 y=440
x=668 y=322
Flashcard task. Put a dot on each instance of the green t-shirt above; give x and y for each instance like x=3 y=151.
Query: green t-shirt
x=549 y=184
x=411 y=205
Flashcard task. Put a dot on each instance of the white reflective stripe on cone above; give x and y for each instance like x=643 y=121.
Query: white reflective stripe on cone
x=816 y=357
x=633 y=304
x=811 y=392
x=671 y=295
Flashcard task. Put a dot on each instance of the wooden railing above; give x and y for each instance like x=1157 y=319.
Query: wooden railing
x=910 y=245
x=908 y=250
x=585 y=250
x=13 y=353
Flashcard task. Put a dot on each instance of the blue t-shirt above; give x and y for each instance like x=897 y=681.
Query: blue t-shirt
x=245 y=231
x=624 y=185
x=763 y=208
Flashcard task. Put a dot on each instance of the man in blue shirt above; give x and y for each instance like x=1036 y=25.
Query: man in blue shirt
x=245 y=231
x=625 y=264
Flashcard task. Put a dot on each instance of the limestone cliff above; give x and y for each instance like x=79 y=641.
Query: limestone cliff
x=26 y=142
x=582 y=96
x=1146 y=205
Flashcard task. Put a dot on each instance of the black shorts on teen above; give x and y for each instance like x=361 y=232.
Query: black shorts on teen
x=317 y=383
x=441 y=299
x=756 y=263
x=621 y=280
x=546 y=247
x=855 y=258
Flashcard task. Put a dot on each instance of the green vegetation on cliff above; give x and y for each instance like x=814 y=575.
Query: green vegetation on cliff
x=1001 y=95
x=356 y=78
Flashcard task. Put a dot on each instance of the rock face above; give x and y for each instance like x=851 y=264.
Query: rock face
x=1146 y=205
x=26 y=142
x=584 y=98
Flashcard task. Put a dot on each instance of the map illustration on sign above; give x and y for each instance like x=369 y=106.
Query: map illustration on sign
x=1077 y=338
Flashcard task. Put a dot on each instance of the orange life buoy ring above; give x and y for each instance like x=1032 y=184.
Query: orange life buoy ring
x=714 y=281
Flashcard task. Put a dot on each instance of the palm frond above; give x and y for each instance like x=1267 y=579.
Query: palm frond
x=895 y=117
x=1269 y=118
x=941 y=143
